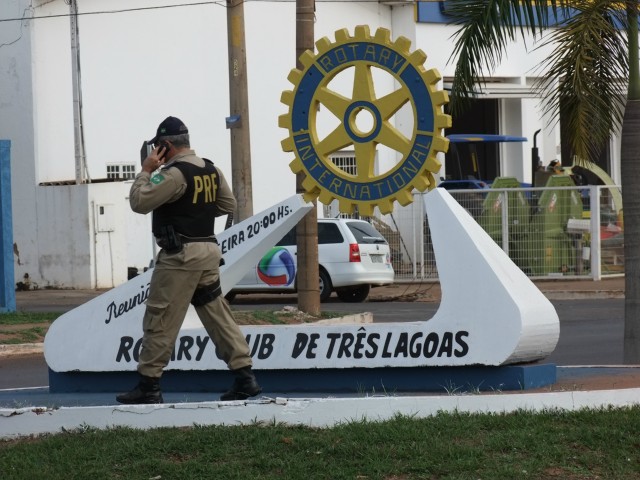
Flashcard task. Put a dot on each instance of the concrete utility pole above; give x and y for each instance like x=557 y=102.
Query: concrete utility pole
x=78 y=129
x=307 y=230
x=238 y=120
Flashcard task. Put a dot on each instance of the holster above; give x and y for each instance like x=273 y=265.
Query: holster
x=206 y=294
x=169 y=240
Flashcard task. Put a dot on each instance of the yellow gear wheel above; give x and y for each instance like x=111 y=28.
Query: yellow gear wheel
x=418 y=149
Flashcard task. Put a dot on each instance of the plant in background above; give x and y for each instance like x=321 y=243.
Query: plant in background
x=591 y=79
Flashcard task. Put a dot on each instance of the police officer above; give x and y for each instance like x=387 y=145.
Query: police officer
x=185 y=196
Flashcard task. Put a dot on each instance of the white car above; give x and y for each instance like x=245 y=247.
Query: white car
x=352 y=254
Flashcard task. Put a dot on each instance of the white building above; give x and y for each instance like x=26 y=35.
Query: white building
x=142 y=60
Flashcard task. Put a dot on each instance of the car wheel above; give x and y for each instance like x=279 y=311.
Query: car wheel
x=355 y=294
x=325 y=285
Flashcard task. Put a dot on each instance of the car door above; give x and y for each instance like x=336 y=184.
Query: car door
x=332 y=247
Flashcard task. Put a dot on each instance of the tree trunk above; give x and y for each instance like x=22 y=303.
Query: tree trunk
x=307 y=230
x=630 y=169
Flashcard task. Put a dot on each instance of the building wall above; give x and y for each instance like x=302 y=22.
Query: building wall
x=81 y=236
x=16 y=124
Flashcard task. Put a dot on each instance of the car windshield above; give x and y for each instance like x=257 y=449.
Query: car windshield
x=365 y=233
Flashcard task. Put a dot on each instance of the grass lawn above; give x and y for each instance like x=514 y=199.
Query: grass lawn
x=602 y=444
x=589 y=444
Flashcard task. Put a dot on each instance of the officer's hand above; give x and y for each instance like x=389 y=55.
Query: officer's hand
x=154 y=161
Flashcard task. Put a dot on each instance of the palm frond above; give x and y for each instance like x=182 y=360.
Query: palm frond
x=588 y=70
x=486 y=27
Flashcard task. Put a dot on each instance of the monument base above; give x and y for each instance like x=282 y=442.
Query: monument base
x=452 y=380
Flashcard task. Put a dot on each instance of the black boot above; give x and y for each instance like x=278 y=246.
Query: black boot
x=147 y=391
x=244 y=386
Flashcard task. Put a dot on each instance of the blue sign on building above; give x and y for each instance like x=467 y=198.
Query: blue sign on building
x=7 y=291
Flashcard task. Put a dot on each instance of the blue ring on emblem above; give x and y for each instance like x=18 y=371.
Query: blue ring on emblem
x=374 y=111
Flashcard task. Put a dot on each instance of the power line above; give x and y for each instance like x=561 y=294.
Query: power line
x=104 y=12
x=219 y=3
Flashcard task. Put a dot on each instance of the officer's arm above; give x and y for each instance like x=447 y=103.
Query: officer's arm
x=148 y=193
x=225 y=201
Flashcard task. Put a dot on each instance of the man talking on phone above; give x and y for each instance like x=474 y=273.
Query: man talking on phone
x=185 y=196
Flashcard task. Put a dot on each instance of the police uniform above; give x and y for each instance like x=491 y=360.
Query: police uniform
x=186 y=194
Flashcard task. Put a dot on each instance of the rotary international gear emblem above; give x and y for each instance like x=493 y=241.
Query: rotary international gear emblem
x=317 y=89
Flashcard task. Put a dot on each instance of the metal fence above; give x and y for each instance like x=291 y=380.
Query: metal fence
x=551 y=232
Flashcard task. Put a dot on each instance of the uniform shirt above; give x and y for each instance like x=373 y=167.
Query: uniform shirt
x=148 y=193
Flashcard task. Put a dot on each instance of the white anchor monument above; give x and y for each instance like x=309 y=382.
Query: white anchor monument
x=492 y=328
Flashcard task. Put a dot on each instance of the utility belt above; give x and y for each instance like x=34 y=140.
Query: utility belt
x=173 y=242
x=198 y=239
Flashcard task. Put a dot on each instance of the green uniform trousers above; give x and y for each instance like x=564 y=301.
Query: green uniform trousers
x=173 y=282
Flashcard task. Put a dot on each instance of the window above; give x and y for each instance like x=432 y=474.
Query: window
x=329 y=233
x=345 y=161
x=124 y=171
x=289 y=239
x=365 y=233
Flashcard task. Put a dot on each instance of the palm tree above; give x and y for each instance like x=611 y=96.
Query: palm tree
x=593 y=64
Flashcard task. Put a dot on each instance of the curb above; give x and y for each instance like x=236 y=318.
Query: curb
x=583 y=295
x=366 y=317
x=319 y=412
x=22 y=349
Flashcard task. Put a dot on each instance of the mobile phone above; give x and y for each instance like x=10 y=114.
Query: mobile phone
x=145 y=151
x=164 y=148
